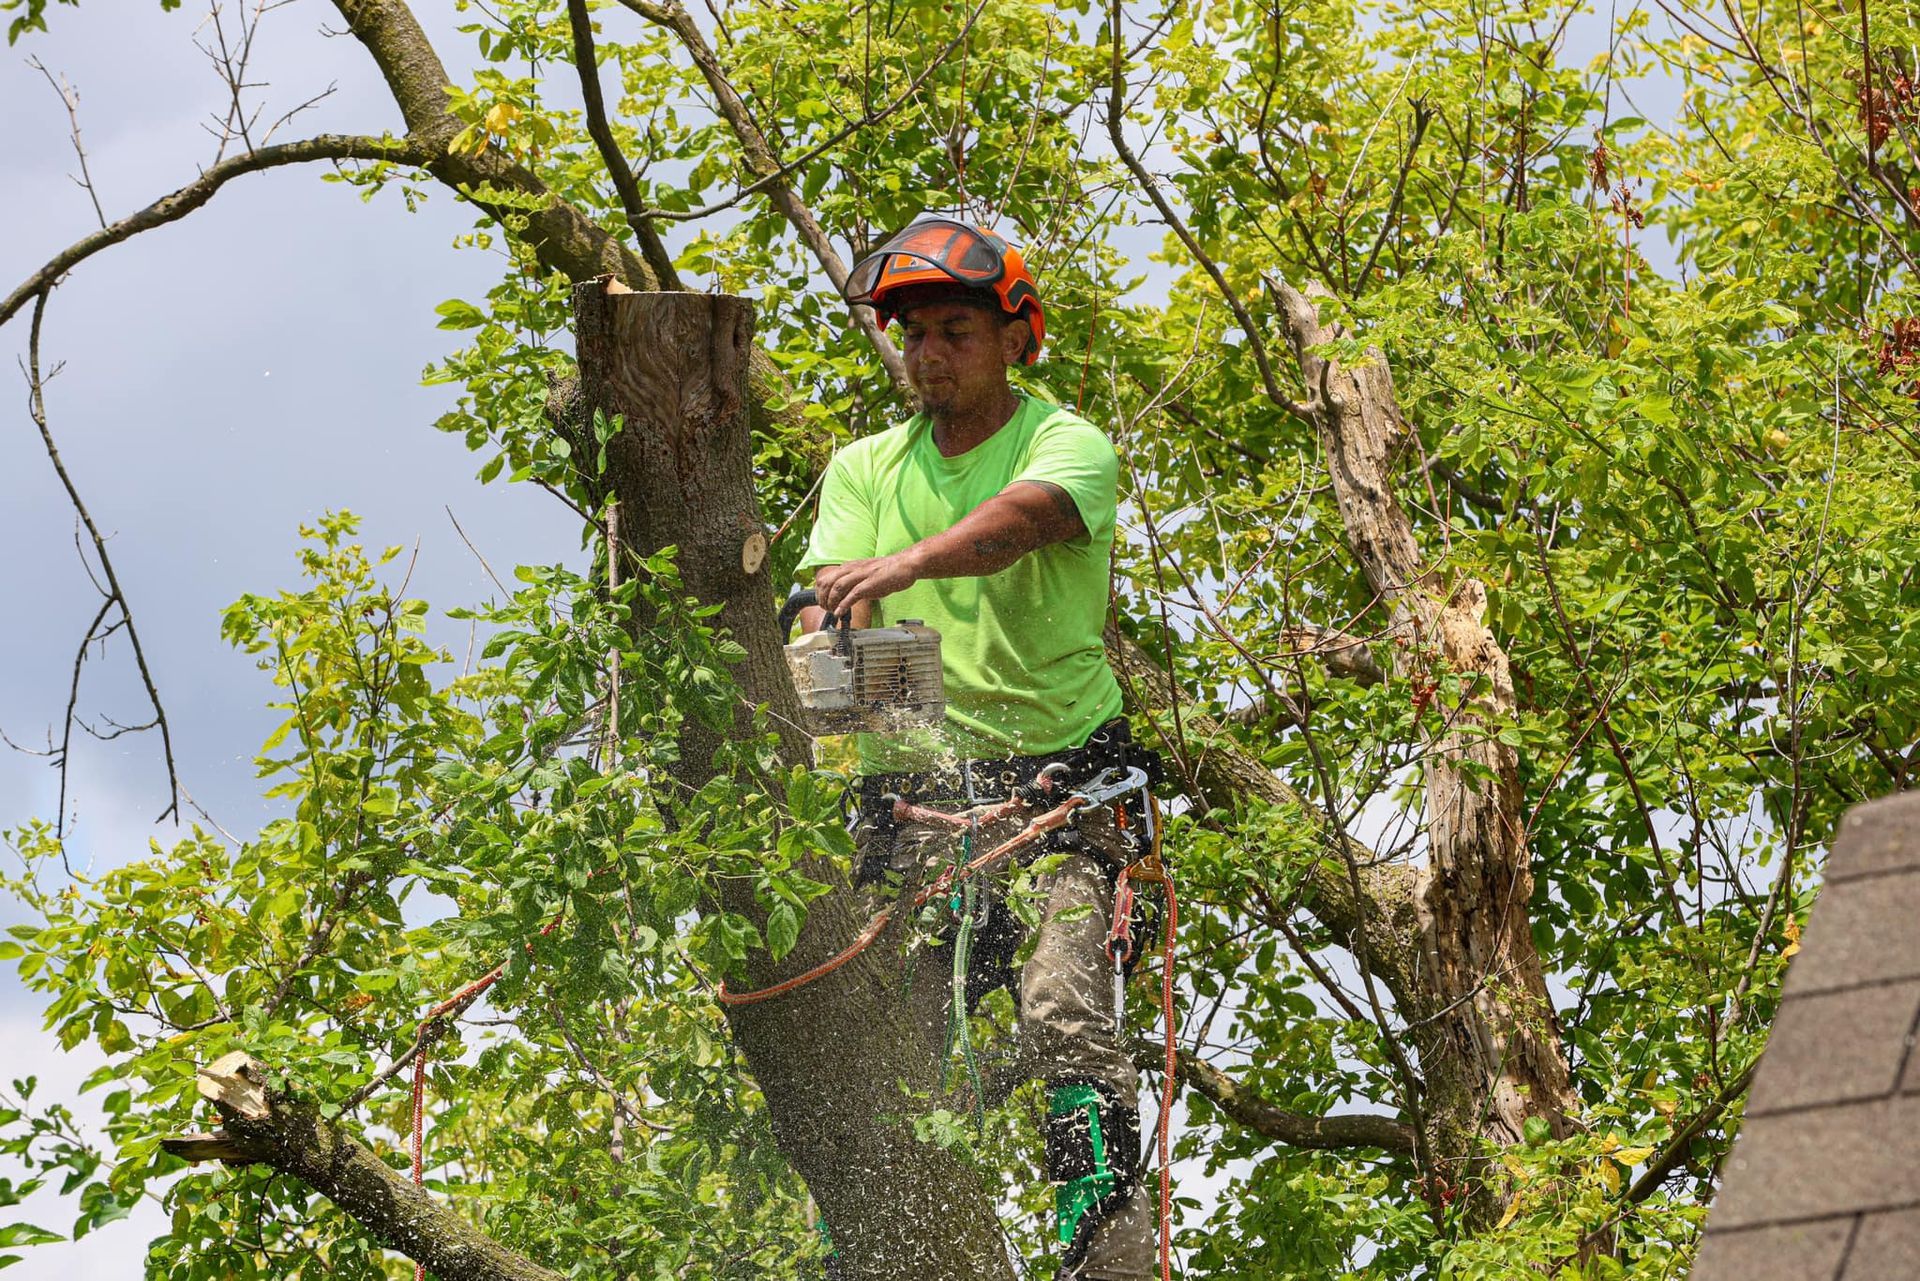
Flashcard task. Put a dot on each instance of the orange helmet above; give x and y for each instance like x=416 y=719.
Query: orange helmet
x=941 y=251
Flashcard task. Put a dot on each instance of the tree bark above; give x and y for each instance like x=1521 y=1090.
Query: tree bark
x=1489 y=1044
x=831 y=1058
x=1338 y=1132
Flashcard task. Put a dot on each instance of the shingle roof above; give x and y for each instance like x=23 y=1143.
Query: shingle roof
x=1823 y=1183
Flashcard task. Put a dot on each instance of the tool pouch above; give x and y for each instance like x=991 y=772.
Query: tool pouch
x=1092 y=1140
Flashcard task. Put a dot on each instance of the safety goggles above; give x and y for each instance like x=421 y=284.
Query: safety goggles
x=966 y=255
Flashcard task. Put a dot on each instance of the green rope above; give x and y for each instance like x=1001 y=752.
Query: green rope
x=959 y=1029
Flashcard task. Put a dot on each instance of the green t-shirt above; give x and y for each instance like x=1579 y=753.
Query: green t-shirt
x=1026 y=672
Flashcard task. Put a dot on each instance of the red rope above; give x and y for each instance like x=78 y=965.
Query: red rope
x=419 y=1129
x=1052 y=820
x=423 y=1039
x=1166 y=1093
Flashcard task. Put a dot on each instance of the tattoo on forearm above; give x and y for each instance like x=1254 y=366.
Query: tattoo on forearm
x=1062 y=501
x=992 y=547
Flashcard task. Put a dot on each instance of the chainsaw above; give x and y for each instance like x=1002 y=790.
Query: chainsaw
x=867 y=680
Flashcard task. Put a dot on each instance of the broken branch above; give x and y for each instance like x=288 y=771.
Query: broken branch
x=267 y=1127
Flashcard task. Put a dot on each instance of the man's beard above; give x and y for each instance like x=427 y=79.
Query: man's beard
x=943 y=399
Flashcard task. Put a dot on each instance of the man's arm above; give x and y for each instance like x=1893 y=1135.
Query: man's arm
x=1024 y=517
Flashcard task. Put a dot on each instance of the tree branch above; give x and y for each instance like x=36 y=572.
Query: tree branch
x=624 y=183
x=562 y=237
x=1344 y=656
x=1493 y=1059
x=1259 y=1114
x=1422 y=117
x=1460 y=485
x=769 y=172
x=172 y=208
x=1680 y=1145
x=267 y=1127
x=70 y=98
x=111 y=594
x=1663 y=1163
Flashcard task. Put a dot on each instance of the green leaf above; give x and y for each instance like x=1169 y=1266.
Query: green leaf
x=455 y=314
x=783 y=929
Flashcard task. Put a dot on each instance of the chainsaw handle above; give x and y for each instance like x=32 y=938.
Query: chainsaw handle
x=802 y=598
x=789 y=612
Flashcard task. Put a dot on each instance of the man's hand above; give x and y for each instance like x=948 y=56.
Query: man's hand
x=839 y=587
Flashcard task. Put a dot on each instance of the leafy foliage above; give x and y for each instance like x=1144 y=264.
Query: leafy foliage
x=1686 y=477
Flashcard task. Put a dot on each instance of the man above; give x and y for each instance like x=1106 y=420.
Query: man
x=990 y=516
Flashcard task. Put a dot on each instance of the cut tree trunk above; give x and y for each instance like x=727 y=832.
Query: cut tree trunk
x=832 y=1058
x=1489 y=1045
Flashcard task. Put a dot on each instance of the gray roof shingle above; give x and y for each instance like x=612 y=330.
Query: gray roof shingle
x=1823 y=1183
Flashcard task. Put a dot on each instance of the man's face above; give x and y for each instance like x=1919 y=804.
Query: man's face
x=957 y=355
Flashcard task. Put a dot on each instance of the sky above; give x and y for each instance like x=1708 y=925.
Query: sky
x=224 y=379
x=227 y=378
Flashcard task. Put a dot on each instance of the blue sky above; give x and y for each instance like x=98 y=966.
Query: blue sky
x=227 y=378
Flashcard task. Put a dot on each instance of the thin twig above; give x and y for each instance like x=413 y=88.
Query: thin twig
x=619 y=1100
x=70 y=97
x=476 y=553
x=115 y=595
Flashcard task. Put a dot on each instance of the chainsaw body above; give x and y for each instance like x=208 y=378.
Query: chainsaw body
x=870 y=680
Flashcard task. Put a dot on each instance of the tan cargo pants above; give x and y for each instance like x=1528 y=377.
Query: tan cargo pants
x=1064 y=994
